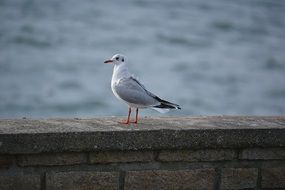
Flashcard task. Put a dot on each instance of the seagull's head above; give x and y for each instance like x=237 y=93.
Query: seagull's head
x=116 y=59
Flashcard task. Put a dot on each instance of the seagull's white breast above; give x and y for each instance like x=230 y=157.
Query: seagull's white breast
x=113 y=85
x=119 y=72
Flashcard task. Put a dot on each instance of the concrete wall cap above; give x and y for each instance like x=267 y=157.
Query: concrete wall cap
x=18 y=136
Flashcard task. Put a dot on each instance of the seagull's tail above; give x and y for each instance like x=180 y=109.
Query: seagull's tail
x=160 y=110
x=164 y=106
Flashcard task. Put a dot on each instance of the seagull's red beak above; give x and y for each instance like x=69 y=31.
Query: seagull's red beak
x=108 y=61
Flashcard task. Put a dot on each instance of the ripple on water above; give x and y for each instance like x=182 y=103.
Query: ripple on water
x=183 y=40
x=223 y=25
x=180 y=67
x=277 y=93
x=273 y=64
x=70 y=85
x=72 y=107
x=31 y=41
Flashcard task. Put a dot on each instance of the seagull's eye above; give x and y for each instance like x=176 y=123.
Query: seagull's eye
x=117 y=58
x=123 y=60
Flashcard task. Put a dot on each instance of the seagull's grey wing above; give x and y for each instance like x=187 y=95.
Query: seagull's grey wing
x=148 y=92
x=164 y=103
x=132 y=91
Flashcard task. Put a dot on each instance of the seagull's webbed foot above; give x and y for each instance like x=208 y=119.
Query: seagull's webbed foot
x=128 y=120
x=124 y=122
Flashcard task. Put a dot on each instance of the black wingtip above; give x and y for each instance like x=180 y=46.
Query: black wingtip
x=168 y=106
x=177 y=107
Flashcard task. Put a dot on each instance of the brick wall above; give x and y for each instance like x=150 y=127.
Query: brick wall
x=245 y=153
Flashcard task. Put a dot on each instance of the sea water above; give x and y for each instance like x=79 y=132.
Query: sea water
x=211 y=57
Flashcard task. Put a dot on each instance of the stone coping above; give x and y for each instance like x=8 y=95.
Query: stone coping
x=28 y=136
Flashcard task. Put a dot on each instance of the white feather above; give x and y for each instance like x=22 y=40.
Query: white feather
x=161 y=110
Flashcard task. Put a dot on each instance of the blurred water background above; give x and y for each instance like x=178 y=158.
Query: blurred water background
x=211 y=57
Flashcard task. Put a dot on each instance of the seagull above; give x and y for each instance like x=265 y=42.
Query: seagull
x=129 y=90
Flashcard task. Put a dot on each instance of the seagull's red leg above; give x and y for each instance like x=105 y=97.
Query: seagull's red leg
x=128 y=120
x=137 y=116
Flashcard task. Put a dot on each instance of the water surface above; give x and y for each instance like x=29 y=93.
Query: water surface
x=211 y=57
